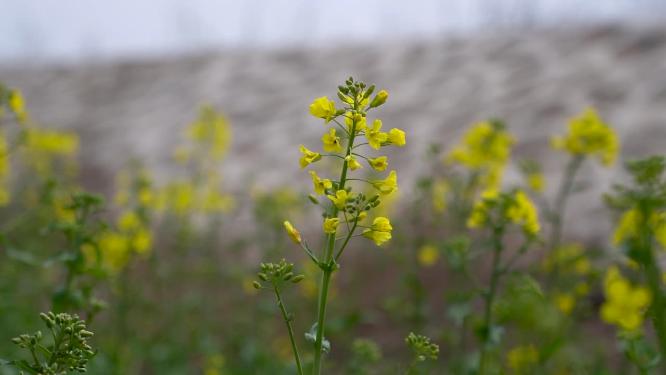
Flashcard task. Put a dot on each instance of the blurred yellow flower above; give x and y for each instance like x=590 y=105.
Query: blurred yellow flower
x=340 y=199
x=397 y=137
x=294 y=234
x=428 y=255
x=589 y=135
x=388 y=185
x=565 y=302
x=379 y=163
x=625 y=304
x=331 y=225
x=524 y=213
x=353 y=163
x=522 y=359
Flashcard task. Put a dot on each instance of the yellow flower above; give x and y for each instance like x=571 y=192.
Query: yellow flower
x=589 y=135
x=479 y=214
x=210 y=131
x=308 y=156
x=428 y=255
x=353 y=163
x=323 y=108
x=388 y=185
x=294 y=234
x=320 y=185
x=361 y=122
x=379 y=231
x=375 y=136
x=439 y=190
x=522 y=359
x=535 y=181
x=339 y=199
x=331 y=141
x=142 y=241
x=485 y=149
x=17 y=105
x=379 y=163
x=625 y=304
x=379 y=99
x=524 y=213
x=331 y=225
x=129 y=221
x=397 y=137
x=631 y=222
x=565 y=302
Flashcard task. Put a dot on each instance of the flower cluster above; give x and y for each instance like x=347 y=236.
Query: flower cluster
x=12 y=100
x=589 y=135
x=631 y=222
x=342 y=141
x=276 y=273
x=485 y=149
x=515 y=208
x=68 y=352
x=625 y=304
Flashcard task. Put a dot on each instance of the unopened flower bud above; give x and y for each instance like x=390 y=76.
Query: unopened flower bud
x=379 y=99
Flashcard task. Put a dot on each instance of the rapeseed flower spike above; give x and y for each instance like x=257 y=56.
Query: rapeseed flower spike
x=589 y=135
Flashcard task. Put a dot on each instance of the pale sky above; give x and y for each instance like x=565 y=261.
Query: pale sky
x=71 y=30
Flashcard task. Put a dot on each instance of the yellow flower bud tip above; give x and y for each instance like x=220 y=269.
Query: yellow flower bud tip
x=308 y=156
x=379 y=163
x=379 y=99
x=331 y=225
x=323 y=108
x=294 y=234
x=397 y=137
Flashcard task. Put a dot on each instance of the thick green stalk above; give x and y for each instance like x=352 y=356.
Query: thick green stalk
x=290 y=329
x=490 y=297
x=328 y=261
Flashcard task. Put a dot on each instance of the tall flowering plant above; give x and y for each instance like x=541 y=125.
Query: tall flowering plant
x=349 y=138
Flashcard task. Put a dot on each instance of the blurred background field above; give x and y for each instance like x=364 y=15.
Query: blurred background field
x=129 y=80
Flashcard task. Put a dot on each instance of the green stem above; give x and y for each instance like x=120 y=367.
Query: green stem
x=329 y=266
x=490 y=297
x=287 y=321
x=561 y=200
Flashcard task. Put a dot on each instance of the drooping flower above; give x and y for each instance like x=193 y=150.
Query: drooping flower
x=323 y=108
x=353 y=163
x=388 y=185
x=294 y=234
x=331 y=141
x=320 y=185
x=379 y=163
x=308 y=156
x=331 y=225
x=379 y=231
x=397 y=137
x=375 y=136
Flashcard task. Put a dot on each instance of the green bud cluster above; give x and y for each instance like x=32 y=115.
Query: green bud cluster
x=359 y=203
x=68 y=352
x=422 y=348
x=277 y=273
